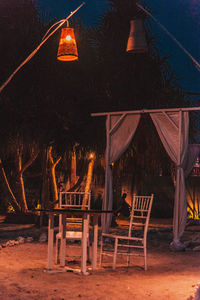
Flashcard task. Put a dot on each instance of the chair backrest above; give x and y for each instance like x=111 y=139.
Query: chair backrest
x=75 y=200
x=140 y=212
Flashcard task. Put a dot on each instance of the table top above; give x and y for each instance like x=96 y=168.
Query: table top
x=74 y=211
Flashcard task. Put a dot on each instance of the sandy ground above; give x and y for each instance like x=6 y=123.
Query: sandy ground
x=170 y=275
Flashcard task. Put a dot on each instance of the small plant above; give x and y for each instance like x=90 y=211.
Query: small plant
x=10 y=209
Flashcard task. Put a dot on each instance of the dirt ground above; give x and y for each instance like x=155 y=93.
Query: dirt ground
x=170 y=275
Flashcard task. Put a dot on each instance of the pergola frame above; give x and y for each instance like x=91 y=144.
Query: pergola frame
x=148 y=111
x=145 y=111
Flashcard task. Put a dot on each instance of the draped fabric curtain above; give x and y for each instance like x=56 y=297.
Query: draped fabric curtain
x=173 y=128
x=120 y=130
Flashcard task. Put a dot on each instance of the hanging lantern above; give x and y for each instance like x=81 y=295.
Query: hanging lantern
x=137 y=39
x=67 y=50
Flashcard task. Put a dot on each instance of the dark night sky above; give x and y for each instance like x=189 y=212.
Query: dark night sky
x=180 y=17
x=62 y=8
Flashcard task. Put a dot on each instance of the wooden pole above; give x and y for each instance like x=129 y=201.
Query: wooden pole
x=144 y=111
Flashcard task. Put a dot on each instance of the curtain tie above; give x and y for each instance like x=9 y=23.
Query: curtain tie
x=179 y=167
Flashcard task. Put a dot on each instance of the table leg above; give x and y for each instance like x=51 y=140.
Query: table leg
x=63 y=241
x=50 y=242
x=84 y=245
x=95 y=242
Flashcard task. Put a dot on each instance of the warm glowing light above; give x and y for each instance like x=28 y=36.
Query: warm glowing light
x=68 y=38
x=89 y=177
x=193 y=209
x=67 y=50
x=92 y=155
x=193 y=203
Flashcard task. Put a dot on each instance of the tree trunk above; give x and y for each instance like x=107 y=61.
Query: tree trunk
x=52 y=166
x=45 y=181
x=20 y=183
x=73 y=169
x=45 y=195
x=89 y=180
x=80 y=177
x=7 y=189
x=19 y=178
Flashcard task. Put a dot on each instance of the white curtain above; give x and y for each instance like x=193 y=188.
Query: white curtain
x=173 y=128
x=120 y=131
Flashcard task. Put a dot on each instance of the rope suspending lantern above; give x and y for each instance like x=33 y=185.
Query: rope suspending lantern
x=44 y=39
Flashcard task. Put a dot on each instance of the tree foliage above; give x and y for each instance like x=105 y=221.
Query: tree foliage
x=48 y=103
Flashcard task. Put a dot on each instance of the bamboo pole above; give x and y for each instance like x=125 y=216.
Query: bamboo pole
x=144 y=111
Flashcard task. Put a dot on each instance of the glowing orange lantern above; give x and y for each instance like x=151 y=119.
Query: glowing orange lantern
x=67 y=50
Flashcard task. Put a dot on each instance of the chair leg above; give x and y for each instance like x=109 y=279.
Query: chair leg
x=88 y=244
x=115 y=254
x=101 y=250
x=128 y=255
x=88 y=251
x=128 y=259
x=145 y=259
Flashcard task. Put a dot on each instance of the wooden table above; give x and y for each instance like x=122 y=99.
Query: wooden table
x=64 y=212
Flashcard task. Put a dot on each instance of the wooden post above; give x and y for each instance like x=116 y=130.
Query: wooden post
x=63 y=241
x=95 y=242
x=106 y=189
x=84 y=245
x=177 y=196
x=50 y=241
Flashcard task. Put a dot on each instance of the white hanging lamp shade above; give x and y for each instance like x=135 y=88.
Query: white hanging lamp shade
x=137 y=40
x=67 y=49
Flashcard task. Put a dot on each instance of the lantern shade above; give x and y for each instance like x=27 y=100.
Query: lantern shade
x=137 y=39
x=67 y=50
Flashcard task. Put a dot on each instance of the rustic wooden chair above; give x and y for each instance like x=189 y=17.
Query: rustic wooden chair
x=132 y=243
x=73 y=200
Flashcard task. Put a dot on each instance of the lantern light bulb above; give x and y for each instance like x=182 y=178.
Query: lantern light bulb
x=68 y=37
x=92 y=156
